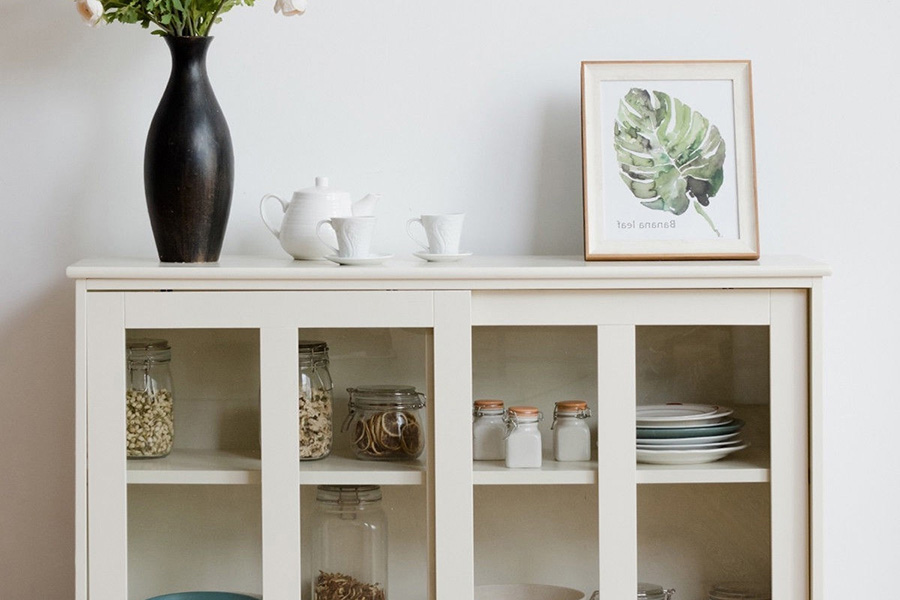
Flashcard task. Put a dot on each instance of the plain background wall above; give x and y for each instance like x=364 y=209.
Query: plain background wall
x=442 y=106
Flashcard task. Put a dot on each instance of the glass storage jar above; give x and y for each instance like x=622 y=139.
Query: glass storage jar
x=571 y=434
x=316 y=400
x=488 y=430
x=385 y=422
x=149 y=411
x=651 y=591
x=523 y=438
x=350 y=544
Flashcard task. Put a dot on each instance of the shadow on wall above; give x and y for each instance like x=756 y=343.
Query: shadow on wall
x=558 y=216
x=37 y=448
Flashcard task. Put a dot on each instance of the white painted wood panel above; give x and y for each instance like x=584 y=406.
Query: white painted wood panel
x=81 y=506
x=280 y=446
x=817 y=444
x=618 y=307
x=790 y=445
x=452 y=401
x=149 y=310
x=107 y=506
x=617 y=492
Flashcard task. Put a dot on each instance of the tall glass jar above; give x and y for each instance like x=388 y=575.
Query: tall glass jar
x=316 y=400
x=651 y=591
x=350 y=544
x=488 y=430
x=385 y=422
x=571 y=434
x=149 y=410
x=523 y=437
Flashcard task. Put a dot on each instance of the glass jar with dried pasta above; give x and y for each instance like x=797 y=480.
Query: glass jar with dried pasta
x=315 y=403
x=149 y=412
x=350 y=559
x=385 y=422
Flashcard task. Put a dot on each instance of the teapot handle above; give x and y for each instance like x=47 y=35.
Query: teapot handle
x=276 y=231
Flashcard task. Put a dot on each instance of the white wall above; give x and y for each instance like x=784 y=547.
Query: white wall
x=440 y=106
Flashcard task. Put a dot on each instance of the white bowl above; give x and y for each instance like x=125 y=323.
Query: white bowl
x=526 y=591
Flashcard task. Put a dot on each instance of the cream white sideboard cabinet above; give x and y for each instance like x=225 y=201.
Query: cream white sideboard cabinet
x=232 y=507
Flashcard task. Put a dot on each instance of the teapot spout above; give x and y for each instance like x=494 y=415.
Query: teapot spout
x=365 y=207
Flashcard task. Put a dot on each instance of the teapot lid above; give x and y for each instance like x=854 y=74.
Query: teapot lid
x=321 y=188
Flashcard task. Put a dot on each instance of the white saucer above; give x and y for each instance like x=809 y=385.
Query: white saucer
x=375 y=259
x=441 y=257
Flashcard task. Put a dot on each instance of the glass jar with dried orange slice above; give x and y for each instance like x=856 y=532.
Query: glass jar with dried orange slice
x=386 y=422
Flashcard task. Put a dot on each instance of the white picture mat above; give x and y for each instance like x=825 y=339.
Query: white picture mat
x=598 y=78
x=714 y=100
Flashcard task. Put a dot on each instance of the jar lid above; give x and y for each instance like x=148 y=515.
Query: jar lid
x=524 y=411
x=312 y=346
x=571 y=406
x=650 y=591
x=148 y=350
x=348 y=494
x=147 y=344
x=385 y=396
x=489 y=404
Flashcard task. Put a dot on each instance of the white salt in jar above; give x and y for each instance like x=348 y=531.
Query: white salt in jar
x=488 y=430
x=571 y=435
x=523 y=438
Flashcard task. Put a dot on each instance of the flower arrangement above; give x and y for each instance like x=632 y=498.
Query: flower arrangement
x=177 y=18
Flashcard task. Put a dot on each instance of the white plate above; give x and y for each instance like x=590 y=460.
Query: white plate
x=687 y=441
x=675 y=411
x=526 y=591
x=693 y=415
x=375 y=259
x=685 y=457
x=687 y=424
x=441 y=257
x=704 y=446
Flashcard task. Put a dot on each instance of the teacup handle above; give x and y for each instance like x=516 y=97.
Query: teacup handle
x=410 y=234
x=319 y=234
x=276 y=231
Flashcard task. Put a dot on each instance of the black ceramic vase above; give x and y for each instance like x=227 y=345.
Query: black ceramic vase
x=188 y=161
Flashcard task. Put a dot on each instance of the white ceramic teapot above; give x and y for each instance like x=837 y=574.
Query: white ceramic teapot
x=307 y=207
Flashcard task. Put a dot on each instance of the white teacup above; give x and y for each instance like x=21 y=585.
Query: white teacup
x=354 y=235
x=443 y=232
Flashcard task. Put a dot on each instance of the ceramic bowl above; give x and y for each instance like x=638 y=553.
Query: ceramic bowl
x=526 y=591
x=204 y=596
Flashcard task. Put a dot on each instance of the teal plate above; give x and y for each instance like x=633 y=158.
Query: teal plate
x=659 y=433
x=204 y=596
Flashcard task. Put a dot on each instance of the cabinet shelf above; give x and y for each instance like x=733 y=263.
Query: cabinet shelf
x=341 y=469
x=748 y=466
x=196 y=467
x=219 y=467
x=494 y=472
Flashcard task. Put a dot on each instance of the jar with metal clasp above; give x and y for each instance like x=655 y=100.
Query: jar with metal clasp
x=571 y=434
x=488 y=430
x=386 y=422
x=523 y=437
x=149 y=409
x=315 y=402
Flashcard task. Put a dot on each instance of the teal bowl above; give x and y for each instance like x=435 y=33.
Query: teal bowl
x=204 y=596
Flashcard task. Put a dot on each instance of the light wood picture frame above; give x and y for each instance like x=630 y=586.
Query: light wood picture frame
x=668 y=160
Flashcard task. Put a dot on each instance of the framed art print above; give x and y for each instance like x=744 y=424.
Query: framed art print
x=668 y=160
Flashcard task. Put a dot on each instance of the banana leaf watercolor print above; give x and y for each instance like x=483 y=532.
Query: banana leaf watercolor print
x=670 y=156
x=668 y=160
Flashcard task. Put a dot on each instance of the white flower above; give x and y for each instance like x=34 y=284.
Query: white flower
x=90 y=10
x=290 y=8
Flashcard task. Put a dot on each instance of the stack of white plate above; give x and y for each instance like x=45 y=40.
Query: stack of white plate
x=684 y=434
x=732 y=591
